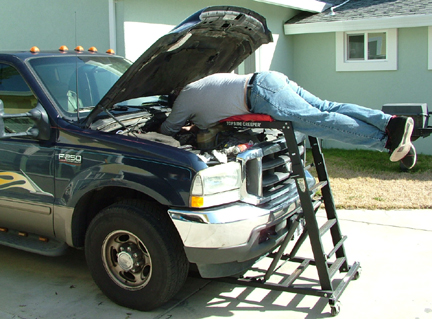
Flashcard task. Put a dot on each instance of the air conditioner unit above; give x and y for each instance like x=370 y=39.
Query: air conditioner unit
x=418 y=111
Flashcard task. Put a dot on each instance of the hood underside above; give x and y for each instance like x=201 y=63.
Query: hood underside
x=213 y=40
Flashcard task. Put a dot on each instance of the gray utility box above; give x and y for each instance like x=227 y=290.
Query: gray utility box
x=418 y=111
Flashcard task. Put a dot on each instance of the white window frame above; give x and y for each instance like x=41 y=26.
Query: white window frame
x=388 y=64
x=429 y=48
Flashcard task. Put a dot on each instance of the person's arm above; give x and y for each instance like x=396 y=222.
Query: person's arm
x=175 y=121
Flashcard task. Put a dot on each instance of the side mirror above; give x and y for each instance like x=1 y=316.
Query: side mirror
x=40 y=130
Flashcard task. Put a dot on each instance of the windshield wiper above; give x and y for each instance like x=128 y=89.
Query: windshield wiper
x=118 y=107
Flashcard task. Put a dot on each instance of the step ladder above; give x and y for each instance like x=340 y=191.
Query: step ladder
x=305 y=216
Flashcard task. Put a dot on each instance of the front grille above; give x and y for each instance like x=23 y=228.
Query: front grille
x=268 y=170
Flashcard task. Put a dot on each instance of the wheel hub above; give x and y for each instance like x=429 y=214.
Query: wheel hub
x=126 y=260
x=130 y=258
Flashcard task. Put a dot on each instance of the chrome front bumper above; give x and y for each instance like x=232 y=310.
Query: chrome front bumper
x=226 y=240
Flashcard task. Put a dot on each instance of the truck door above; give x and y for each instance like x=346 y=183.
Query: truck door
x=26 y=164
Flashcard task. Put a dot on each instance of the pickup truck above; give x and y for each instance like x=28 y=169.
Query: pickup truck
x=82 y=165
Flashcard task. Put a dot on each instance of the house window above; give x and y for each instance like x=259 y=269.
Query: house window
x=366 y=50
x=366 y=46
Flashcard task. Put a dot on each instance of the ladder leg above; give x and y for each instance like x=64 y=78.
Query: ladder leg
x=328 y=199
x=308 y=208
x=281 y=250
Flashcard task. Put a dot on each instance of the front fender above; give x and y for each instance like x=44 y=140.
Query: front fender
x=166 y=183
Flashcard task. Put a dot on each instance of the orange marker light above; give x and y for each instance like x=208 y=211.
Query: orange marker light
x=63 y=48
x=110 y=51
x=43 y=239
x=93 y=49
x=34 y=50
x=79 y=49
x=197 y=201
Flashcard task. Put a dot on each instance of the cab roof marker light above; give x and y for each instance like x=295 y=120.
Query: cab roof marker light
x=63 y=48
x=79 y=49
x=34 y=49
x=110 y=51
x=93 y=49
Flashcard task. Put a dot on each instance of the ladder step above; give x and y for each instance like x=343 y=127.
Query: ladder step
x=296 y=273
x=316 y=205
x=318 y=186
x=336 y=247
x=336 y=266
x=328 y=224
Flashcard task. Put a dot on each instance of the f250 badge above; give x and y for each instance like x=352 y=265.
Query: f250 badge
x=71 y=159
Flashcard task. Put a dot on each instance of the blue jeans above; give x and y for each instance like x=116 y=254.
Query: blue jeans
x=276 y=95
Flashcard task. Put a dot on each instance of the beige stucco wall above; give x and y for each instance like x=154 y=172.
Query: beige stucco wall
x=49 y=24
x=145 y=21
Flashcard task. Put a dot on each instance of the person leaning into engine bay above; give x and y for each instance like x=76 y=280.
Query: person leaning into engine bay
x=207 y=101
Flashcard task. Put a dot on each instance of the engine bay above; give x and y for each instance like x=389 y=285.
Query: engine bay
x=217 y=144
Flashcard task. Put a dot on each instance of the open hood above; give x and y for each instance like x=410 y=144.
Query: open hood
x=213 y=40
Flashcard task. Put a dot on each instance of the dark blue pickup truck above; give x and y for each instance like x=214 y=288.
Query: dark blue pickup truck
x=82 y=166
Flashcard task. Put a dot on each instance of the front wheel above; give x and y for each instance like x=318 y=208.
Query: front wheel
x=135 y=255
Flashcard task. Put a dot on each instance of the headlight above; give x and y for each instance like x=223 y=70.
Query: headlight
x=216 y=185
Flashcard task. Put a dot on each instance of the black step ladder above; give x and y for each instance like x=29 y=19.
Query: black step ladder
x=305 y=215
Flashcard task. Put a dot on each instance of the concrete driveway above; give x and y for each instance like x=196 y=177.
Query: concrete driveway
x=393 y=247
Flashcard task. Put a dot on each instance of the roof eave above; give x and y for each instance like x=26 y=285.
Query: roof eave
x=360 y=24
x=303 y=5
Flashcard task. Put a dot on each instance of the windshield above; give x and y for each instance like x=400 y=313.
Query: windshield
x=78 y=83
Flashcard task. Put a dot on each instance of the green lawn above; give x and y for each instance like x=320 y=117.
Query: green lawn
x=371 y=161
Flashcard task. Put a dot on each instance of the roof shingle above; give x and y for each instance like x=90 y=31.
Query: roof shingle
x=365 y=9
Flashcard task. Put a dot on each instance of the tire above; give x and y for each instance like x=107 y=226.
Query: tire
x=135 y=255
